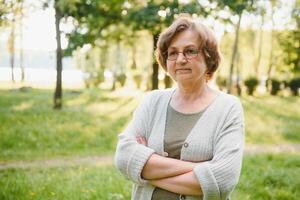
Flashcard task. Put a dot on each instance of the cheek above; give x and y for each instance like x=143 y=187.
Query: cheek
x=200 y=61
x=170 y=65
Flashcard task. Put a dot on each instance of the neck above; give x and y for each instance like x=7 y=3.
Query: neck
x=194 y=91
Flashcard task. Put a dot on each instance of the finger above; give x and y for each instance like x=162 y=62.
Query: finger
x=138 y=139
x=144 y=141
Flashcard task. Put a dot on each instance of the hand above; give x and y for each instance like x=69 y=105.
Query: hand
x=141 y=140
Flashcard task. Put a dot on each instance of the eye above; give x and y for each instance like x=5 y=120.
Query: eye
x=172 y=53
x=191 y=51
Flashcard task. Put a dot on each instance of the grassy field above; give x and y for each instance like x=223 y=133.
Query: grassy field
x=264 y=177
x=89 y=124
x=91 y=119
x=272 y=120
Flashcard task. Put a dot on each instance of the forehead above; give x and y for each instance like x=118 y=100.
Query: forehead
x=184 y=39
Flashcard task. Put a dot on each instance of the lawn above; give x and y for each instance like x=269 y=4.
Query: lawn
x=272 y=119
x=91 y=120
x=87 y=125
x=264 y=177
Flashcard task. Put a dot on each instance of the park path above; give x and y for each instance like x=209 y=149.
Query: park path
x=108 y=159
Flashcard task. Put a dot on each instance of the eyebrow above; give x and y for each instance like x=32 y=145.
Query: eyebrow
x=190 y=45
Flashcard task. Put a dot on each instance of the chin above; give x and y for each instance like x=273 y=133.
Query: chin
x=183 y=78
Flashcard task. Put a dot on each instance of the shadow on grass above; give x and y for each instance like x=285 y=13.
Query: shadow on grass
x=38 y=131
x=282 y=112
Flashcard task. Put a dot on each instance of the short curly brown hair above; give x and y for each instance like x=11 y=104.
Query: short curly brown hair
x=207 y=43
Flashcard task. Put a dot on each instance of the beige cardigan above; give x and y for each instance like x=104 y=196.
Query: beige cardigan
x=216 y=141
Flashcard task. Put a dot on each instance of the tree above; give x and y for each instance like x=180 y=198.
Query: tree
x=11 y=14
x=156 y=15
x=58 y=88
x=96 y=23
x=271 y=56
x=262 y=12
x=95 y=17
x=60 y=7
x=91 y=19
x=237 y=7
x=3 y=12
x=21 y=15
x=290 y=41
x=10 y=20
x=11 y=47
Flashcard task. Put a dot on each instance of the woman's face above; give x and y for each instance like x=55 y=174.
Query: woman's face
x=185 y=69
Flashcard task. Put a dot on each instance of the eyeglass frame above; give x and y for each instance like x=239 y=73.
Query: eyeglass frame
x=184 y=54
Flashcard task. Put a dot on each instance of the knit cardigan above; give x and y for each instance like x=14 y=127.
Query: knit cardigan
x=216 y=142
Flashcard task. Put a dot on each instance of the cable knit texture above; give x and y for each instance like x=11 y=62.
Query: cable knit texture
x=216 y=142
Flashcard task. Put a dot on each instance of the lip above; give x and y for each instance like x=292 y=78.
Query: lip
x=183 y=70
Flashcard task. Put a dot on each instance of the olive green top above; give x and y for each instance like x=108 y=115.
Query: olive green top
x=178 y=127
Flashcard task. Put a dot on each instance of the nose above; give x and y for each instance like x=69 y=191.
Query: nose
x=181 y=58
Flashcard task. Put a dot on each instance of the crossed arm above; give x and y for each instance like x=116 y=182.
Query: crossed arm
x=170 y=174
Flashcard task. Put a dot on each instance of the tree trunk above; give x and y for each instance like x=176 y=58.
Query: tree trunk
x=155 y=65
x=117 y=64
x=238 y=76
x=21 y=44
x=133 y=66
x=257 y=63
x=297 y=61
x=58 y=88
x=271 y=59
x=11 y=49
x=234 y=52
x=114 y=80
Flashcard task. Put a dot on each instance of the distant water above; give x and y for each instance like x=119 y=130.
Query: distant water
x=42 y=75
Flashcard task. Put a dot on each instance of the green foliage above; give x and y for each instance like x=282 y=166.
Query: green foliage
x=251 y=84
x=147 y=17
x=91 y=19
x=121 y=78
x=237 y=6
x=10 y=11
x=294 y=85
x=275 y=86
x=290 y=41
x=3 y=11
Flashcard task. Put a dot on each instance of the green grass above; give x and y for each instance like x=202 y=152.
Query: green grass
x=64 y=183
x=269 y=177
x=91 y=119
x=264 y=177
x=87 y=125
x=272 y=119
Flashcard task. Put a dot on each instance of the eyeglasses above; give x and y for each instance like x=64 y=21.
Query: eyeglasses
x=187 y=53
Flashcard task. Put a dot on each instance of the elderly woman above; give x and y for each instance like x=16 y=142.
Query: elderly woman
x=185 y=142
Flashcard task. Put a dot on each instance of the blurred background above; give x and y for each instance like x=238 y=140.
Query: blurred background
x=73 y=71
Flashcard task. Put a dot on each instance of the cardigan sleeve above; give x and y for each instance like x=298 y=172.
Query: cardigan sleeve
x=219 y=176
x=130 y=157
